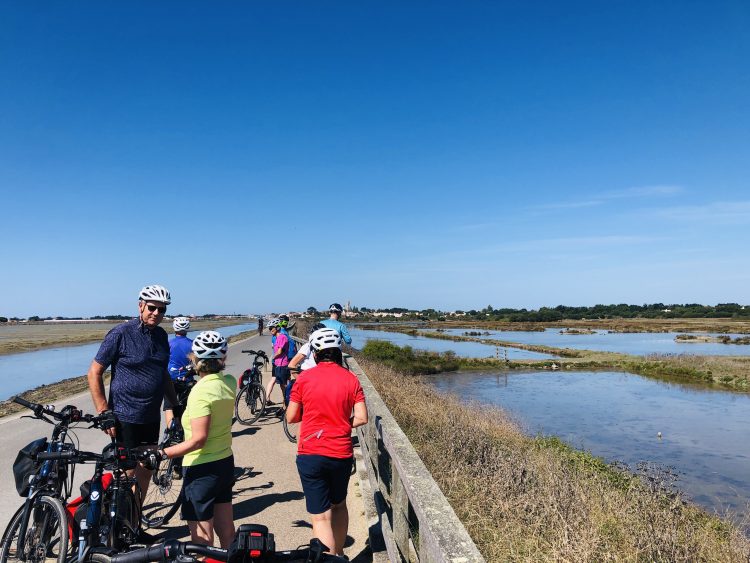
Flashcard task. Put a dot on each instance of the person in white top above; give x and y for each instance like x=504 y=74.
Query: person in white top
x=304 y=356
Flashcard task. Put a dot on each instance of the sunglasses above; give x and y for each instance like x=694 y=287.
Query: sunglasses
x=153 y=308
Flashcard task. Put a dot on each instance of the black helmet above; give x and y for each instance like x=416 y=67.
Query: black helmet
x=335 y=308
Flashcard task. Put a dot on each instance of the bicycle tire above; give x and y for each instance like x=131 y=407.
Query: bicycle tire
x=290 y=428
x=99 y=558
x=47 y=533
x=163 y=497
x=250 y=404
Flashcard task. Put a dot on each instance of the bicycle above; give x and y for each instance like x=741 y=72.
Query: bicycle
x=40 y=528
x=252 y=542
x=290 y=428
x=251 y=400
x=163 y=498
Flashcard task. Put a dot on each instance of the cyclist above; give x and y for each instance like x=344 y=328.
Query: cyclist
x=323 y=399
x=208 y=463
x=333 y=322
x=283 y=325
x=179 y=365
x=260 y=326
x=304 y=356
x=138 y=353
x=280 y=359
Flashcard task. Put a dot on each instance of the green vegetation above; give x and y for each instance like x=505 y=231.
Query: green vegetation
x=408 y=360
x=536 y=499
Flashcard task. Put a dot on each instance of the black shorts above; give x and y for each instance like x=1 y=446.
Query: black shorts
x=324 y=480
x=205 y=485
x=281 y=374
x=132 y=435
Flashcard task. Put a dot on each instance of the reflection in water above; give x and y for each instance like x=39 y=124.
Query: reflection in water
x=21 y=372
x=639 y=344
x=619 y=416
x=463 y=349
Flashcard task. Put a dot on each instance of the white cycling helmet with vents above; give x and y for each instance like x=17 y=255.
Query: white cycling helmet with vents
x=209 y=344
x=155 y=293
x=273 y=323
x=181 y=324
x=325 y=338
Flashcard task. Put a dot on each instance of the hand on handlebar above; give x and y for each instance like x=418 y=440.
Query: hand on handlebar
x=151 y=458
x=107 y=421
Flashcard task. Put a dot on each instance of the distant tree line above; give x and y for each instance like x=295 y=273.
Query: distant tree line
x=564 y=312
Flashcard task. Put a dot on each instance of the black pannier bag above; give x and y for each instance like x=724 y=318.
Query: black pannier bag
x=25 y=466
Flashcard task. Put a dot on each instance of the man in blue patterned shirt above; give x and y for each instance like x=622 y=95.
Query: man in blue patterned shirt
x=137 y=352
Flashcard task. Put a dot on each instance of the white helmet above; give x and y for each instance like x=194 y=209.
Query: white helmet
x=155 y=293
x=181 y=324
x=210 y=344
x=273 y=323
x=324 y=338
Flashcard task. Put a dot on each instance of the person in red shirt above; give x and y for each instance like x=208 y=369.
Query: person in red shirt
x=323 y=398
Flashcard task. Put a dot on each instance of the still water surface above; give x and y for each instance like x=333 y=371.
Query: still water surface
x=618 y=416
x=463 y=349
x=21 y=372
x=639 y=343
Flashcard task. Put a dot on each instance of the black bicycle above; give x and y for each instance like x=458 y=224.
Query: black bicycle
x=44 y=471
x=290 y=428
x=251 y=400
x=253 y=542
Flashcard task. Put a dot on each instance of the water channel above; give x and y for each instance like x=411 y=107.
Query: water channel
x=21 y=372
x=463 y=349
x=638 y=343
x=618 y=416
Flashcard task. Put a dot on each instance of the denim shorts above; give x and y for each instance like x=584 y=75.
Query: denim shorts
x=281 y=374
x=204 y=485
x=324 y=480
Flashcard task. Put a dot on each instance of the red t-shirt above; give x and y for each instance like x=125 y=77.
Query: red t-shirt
x=327 y=394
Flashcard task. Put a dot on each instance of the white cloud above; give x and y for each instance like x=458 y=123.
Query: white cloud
x=637 y=192
x=717 y=212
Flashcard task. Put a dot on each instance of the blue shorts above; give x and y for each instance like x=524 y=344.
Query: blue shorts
x=205 y=485
x=324 y=480
x=281 y=374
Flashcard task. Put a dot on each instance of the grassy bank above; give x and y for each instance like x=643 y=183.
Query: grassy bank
x=52 y=392
x=29 y=337
x=536 y=499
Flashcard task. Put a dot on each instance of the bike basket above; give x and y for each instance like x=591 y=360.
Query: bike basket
x=252 y=543
x=25 y=465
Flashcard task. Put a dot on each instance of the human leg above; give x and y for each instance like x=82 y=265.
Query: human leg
x=323 y=530
x=202 y=531
x=339 y=526
x=224 y=523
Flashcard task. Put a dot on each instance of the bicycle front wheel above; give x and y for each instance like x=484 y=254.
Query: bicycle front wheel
x=46 y=537
x=162 y=498
x=250 y=404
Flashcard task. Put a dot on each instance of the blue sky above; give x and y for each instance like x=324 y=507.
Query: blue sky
x=272 y=156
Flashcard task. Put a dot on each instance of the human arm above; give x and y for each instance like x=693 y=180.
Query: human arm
x=199 y=434
x=360 y=415
x=293 y=412
x=95 y=378
x=345 y=333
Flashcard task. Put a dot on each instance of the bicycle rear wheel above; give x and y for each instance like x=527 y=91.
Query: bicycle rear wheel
x=162 y=498
x=290 y=429
x=46 y=537
x=250 y=404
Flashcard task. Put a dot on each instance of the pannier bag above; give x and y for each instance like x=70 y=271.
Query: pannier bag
x=25 y=466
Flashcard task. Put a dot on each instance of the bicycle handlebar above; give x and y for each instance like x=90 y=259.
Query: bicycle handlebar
x=68 y=413
x=170 y=550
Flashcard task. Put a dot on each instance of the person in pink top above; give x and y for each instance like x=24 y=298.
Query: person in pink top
x=324 y=398
x=280 y=359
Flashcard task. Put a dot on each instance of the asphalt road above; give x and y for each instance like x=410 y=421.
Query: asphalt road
x=267 y=491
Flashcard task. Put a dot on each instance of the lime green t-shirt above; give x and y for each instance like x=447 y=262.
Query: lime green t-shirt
x=213 y=395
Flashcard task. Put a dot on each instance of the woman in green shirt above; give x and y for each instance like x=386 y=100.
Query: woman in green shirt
x=208 y=463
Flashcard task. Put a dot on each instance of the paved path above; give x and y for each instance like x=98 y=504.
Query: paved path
x=268 y=491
